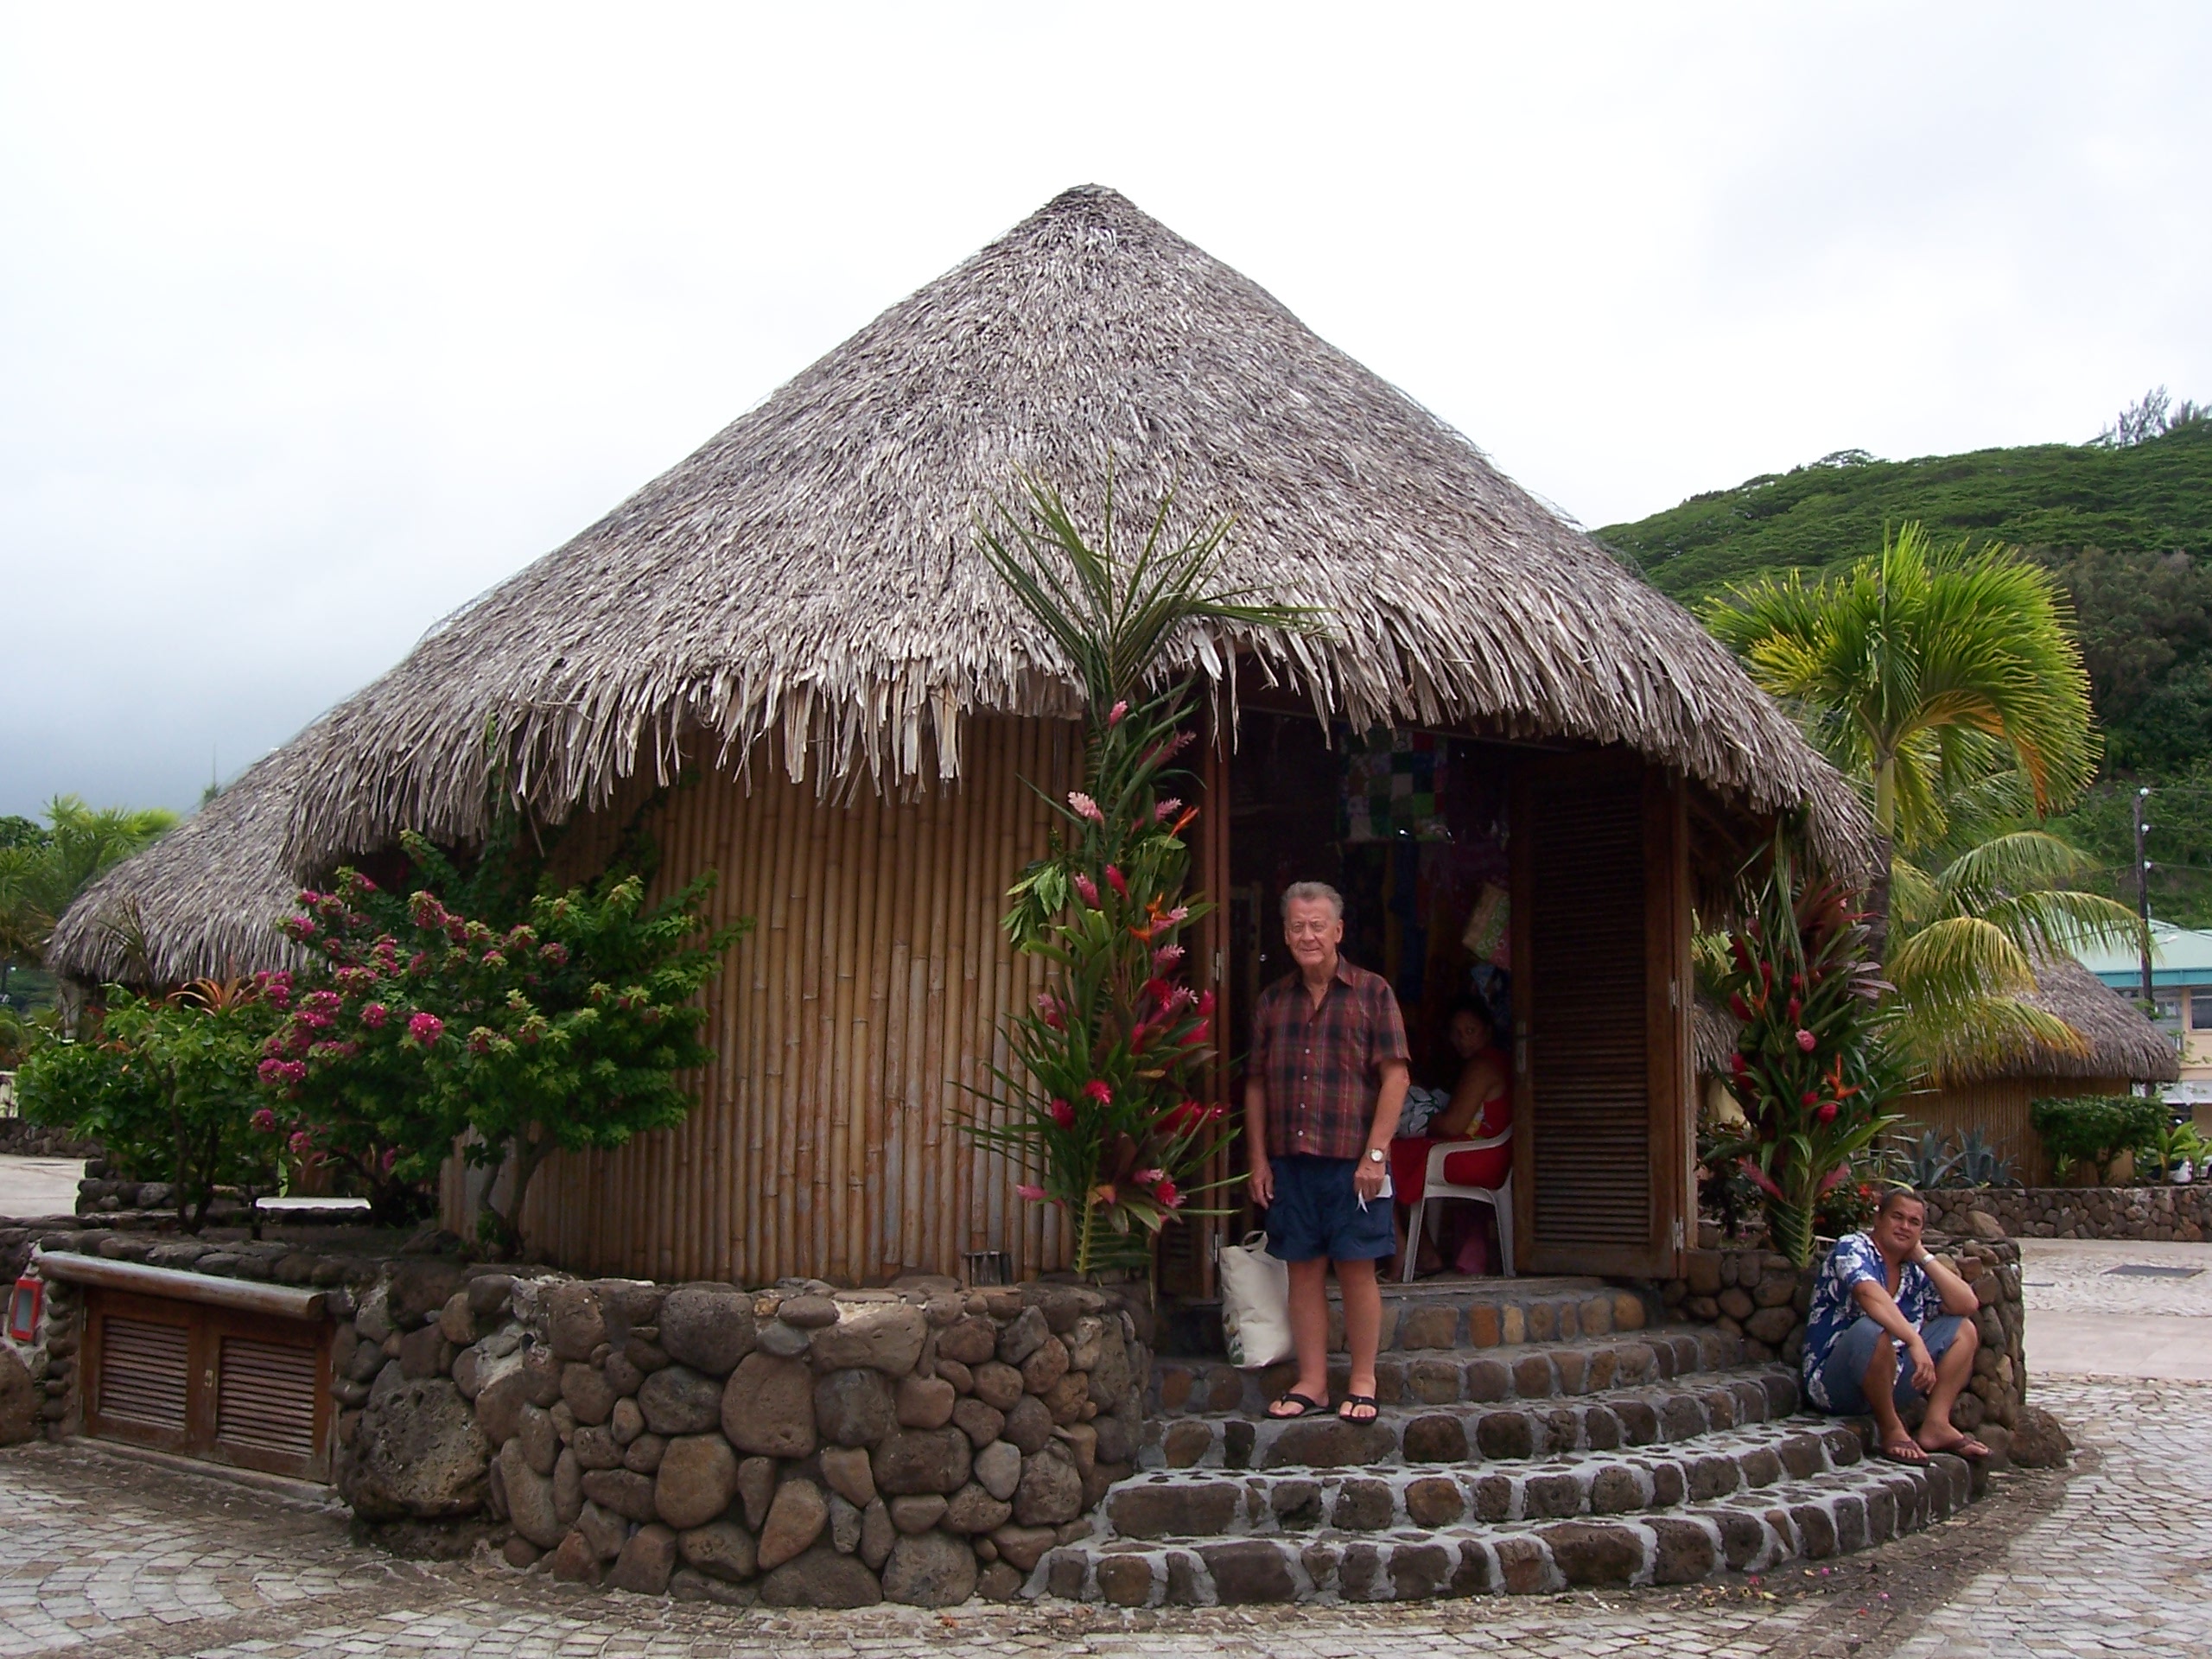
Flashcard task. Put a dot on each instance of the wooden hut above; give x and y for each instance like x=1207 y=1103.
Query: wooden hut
x=796 y=618
x=2123 y=1049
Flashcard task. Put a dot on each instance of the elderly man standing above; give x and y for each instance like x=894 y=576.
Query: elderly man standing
x=1328 y=1077
x=1891 y=1325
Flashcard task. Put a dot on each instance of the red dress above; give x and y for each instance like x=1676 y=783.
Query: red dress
x=1488 y=1167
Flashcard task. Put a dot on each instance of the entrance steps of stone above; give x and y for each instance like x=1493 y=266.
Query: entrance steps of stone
x=1845 y=1509
x=1443 y=1376
x=1660 y=1455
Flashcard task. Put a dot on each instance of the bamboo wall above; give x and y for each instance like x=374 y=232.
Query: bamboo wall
x=1998 y=1108
x=849 y=1025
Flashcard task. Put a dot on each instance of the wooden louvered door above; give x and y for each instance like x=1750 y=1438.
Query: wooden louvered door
x=1603 y=1141
x=250 y=1390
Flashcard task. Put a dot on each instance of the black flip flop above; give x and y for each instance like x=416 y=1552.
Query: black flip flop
x=1367 y=1399
x=1307 y=1407
x=1891 y=1448
x=1952 y=1448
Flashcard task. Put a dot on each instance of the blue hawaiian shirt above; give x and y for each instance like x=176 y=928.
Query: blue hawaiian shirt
x=1836 y=1310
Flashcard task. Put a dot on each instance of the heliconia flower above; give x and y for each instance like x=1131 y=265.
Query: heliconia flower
x=1087 y=890
x=1029 y=1194
x=1062 y=1114
x=1168 y=1197
x=264 y=1120
x=1085 y=807
x=1166 y=809
x=1826 y=1113
x=1806 y=1040
x=426 y=1028
x=1165 y=959
x=1148 y=1176
x=1115 y=880
x=373 y=1015
x=1117 y=714
x=1098 y=1091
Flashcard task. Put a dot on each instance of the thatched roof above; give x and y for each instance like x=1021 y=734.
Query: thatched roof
x=809 y=577
x=203 y=901
x=2122 y=1043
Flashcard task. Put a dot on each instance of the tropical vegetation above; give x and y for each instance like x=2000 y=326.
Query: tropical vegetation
x=1101 y=1105
x=2097 y=1130
x=44 y=865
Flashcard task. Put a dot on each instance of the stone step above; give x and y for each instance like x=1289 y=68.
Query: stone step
x=1462 y=1313
x=1195 y=1502
x=1837 y=1511
x=1528 y=1371
x=1465 y=1431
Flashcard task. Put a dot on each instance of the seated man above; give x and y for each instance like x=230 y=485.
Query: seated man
x=1871 y=1345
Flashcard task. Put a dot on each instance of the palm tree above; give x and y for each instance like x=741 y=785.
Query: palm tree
x=42 y=870
x=1922 y=669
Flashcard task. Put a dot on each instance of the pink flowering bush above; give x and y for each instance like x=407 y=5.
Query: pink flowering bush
x=430 y=1028
x=1810 y=1070
x=1100 y=1104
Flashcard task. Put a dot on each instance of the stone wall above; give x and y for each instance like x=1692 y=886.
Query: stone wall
x=1757 y=1295
x=800 y=1445
x=2130 y=1213
x=21 y=1138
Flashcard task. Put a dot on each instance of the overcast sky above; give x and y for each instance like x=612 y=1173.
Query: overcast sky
x=315 y=322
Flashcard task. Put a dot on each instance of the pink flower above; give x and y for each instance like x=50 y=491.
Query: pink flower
x=1148 y=1176
x=1806 y=1040
x=1166 y=809
x=1062 y=1114
x=264 y=1120
x=1826 y=1113
x=426 y=1028
x=1115 y=880
x=373 y=1015
x=1165 y=959
x=320 y=1001
x=1029 y=1194
x=1099 y=1092
x=1159 y=990
x=1176 y=917
x=556 y=952
x=1169 y=1198
x=1088 y=890
x=1119 y=713
x=1051 y=1011
x=300 y=1143
x=1085 y=807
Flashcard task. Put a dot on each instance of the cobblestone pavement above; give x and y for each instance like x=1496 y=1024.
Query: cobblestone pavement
x=2077 y=1276
x=107 y=1555
x=2123 y=1564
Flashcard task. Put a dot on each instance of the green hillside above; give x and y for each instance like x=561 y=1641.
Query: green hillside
x=2127 y=529
x=2153 y=497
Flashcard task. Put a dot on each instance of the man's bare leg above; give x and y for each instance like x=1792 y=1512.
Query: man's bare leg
x=1309 y=1329
x=1362 y=1325
x=1880 y=1384
x=1952 y=1373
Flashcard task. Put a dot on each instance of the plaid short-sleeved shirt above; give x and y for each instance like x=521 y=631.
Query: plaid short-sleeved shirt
x=1321 y=1069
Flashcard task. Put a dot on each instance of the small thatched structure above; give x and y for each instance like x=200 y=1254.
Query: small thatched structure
x=1992 y=1096
x=798 y=616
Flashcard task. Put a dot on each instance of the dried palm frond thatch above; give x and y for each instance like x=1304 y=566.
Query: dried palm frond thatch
x=202 y=902
x=2120 y=1042
x=810 y=578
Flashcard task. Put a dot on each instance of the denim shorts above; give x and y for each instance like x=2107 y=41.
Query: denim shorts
x=1844 y=1373
x=1317 y=1214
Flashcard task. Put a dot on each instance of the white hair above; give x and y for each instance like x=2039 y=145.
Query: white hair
x=1302 y=892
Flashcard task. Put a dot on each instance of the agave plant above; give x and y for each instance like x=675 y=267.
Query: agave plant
x=1100 y=1104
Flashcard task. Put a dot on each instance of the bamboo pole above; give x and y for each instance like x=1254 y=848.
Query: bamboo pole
x=777 y=1049
x=894 y=868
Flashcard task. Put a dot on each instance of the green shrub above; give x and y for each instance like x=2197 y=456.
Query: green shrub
x=2095 y=1130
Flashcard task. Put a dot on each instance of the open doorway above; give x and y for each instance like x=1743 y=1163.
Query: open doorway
x=1411 y=828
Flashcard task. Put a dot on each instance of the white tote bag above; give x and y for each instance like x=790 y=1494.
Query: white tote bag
x=1255 y=1303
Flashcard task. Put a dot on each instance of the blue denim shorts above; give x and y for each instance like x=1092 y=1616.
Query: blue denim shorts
x=1317 y=1214
x=1844 y=1373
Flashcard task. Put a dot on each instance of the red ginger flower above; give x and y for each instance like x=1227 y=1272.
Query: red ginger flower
x=1098 y=1091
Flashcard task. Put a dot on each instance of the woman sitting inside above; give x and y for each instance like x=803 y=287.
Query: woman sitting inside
x=1480 y=1105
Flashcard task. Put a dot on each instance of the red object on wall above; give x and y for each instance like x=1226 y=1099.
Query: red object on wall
x=23 y=1305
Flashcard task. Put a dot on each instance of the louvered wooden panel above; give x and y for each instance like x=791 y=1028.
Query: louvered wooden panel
x=145 y=1376
x=1587 y=1038
x=266 y=1397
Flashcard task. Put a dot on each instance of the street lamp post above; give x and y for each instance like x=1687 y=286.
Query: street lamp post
x=2143 y=891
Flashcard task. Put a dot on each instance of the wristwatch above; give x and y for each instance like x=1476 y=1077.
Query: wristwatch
x=1375 y=1155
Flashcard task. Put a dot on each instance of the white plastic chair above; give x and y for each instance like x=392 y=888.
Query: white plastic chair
x=1434 y=1186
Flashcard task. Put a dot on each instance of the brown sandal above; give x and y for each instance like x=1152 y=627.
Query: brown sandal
x=1304 y=1406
